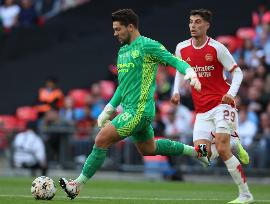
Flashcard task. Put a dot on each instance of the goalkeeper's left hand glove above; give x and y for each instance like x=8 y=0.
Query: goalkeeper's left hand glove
x=192 y=77
x=105 y=115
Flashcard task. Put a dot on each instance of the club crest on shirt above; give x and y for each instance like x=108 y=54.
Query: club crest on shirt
x=188 y=59
x=209 y=57
x=135 y=54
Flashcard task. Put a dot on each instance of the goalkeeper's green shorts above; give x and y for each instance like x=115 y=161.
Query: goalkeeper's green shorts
x=138 y=128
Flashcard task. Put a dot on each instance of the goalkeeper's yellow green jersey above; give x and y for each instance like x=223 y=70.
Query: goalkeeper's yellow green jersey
x=137 y=66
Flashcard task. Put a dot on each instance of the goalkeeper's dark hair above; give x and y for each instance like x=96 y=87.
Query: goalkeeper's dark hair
x=126 y=17
x=204 y=13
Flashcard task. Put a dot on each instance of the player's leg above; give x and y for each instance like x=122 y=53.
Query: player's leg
x=224 y=120
x=236 y=148
x=239 y=149
x=105 y=138
x=202 y=141
x=236 y=143
x=120 y=127
x=147 y=146
x=168 y=147
x=202 y=131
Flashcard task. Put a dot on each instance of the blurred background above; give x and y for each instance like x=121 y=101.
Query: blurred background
x=57 y=60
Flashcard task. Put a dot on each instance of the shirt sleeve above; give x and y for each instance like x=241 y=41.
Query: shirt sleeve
x=178 y=77
x=228 y=62
x=225 y=58
x=116 y=99
x=159 y=54
x=236 y=81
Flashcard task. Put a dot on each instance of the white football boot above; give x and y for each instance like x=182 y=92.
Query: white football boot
x=71 y=188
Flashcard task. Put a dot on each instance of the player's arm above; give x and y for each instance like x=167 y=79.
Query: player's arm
x=110 y=108
x=226 y=59
x=162 y=56
x=178 y=81
x=116 y=99
x=175 y=99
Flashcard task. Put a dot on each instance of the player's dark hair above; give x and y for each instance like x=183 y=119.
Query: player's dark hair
x=126 y=17
x=204 y=13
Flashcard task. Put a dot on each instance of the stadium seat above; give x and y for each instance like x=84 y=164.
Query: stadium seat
x=8 y=123
x=79 y=96
x=21 y=124
x=231 y=42
x=27 y=113
x=171 y=71
x=164 y=107
x=246 y=33
x=266 y=18
x=107 y=89
x=3 y=140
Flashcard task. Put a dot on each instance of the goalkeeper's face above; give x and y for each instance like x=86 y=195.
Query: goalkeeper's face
x=121 y=32
x=197 y=26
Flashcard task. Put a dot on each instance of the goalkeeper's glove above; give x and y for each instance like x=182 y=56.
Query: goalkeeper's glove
x=192 y=77
x=105 y=115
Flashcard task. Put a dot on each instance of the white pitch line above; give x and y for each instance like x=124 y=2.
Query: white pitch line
x=135 y=198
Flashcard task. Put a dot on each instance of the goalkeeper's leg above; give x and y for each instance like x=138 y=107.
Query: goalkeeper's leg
x=105 y=138
x=197 y=142
x=168 y=147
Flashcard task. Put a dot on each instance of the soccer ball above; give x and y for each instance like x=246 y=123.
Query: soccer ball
x=43 y=188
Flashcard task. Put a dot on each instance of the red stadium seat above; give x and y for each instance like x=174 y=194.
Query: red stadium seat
x=266 y=18
x=246 y=33
x=21 y=124
x=27 y=113
x=79 y=96
x=3 y=140
x=165 y=107
x=171 y=71
x=107 y=89
x=8 y=122
x=231 y=42
x=255 y=19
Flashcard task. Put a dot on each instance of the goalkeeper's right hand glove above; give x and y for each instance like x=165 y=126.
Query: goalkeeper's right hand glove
x=192 y=77
x=105 y=115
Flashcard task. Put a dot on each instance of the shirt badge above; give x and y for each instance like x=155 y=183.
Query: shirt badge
x=209 y=57
x=135 y=54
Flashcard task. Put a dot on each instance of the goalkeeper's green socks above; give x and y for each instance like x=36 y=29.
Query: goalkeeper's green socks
x=93 y=162
x=167 y=147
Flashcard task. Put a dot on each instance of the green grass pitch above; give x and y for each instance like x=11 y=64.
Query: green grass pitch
x=17 y=190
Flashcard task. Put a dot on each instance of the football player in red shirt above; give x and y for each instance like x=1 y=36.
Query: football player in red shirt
x=214 y=104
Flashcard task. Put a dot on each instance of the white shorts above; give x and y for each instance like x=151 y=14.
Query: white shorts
x=221 y=119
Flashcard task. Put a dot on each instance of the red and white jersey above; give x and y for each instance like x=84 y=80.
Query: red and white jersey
x=209 y=62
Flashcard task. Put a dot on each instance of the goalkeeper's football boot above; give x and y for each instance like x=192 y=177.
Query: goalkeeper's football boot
x=202 y=155
x=70 y=187
x=244 y=198
x=242 y=153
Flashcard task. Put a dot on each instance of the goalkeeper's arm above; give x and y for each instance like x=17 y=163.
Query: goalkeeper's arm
x=109 y=109
x=163 y=56
x=189 y=73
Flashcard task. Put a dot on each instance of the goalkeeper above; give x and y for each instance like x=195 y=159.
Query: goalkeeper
x=137 y=64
